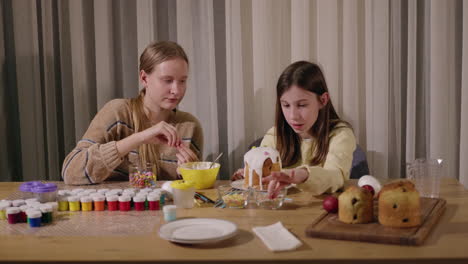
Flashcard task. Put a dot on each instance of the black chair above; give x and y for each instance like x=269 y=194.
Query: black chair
x=359 y=166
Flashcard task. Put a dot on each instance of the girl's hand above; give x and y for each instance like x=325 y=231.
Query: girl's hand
x=238 y=175
x=162 y=132
x=277 y=180
x=185 y=155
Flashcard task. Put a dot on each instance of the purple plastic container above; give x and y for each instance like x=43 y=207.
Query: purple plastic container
x=26 y=189
x=45 y=192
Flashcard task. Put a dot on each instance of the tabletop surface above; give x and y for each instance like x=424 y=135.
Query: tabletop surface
x=447 y=243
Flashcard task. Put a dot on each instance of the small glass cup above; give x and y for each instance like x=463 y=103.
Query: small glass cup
x=426 y=174
x=265 y=202
x=233 y=198
x=142 y=176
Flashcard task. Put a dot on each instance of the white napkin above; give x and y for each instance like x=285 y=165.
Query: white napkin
x=276 y=237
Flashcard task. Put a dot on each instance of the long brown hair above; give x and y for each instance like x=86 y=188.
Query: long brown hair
x=307 y=76
x=154 y=54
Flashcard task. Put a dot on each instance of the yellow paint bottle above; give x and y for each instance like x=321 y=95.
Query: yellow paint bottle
x=74 y=203
x=3 y=207
x=63 y=202
x=86 y=203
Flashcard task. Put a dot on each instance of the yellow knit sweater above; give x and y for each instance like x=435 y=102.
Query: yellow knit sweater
x=331 y=175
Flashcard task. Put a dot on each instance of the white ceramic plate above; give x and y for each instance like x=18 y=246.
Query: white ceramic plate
x=197 y=230
x=239 y=184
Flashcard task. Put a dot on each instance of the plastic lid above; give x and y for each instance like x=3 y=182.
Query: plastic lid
x=98 y=198
x=112 y=198
x=18 y=202
x=103 y=191
x=153 y=197
x=182 y=185
x=13 y=210
x=73 y=198
x=129 y=190
x=24 y=208
x=45 y=208
x=169 y=208
x=144 y=195
x=116 y=190
x=26 y=187
x=53 y=204
x=63 y=197
x=139 y=199
x=64 y=192
x=31 y=200
x=124 y=198
x=77 y=190
x=6 y=202
x=34 y=214
x=131 y=194
x=86 y=199
x=44 y=188
x=4 y=205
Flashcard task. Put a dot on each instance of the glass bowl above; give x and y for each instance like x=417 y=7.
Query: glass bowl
x=265 y=202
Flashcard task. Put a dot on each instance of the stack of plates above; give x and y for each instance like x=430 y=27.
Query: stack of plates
x=197 y=230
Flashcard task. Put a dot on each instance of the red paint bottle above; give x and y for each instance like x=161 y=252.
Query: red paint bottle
x=139 y=203
x=112 y=203
x=124 y=203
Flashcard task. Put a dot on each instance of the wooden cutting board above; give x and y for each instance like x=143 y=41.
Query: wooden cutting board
x=328 y=226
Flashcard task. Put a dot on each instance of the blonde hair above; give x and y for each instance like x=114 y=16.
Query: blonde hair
x=154 y=54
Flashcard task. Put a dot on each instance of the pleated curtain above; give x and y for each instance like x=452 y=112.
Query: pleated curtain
x=397 y=71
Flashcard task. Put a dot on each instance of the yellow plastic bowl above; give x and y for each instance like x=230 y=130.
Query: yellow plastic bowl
x=199 y=174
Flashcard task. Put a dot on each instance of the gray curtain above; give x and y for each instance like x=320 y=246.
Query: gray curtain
x=397 y=71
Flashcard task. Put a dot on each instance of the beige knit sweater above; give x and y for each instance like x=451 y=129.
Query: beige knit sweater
x=95 y=157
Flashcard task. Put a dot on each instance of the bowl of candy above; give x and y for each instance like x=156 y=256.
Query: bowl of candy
x=201 y=173
x=142 y=176
x=233 y=198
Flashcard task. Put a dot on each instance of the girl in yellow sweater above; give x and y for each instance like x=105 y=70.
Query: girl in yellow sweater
x=315 y=145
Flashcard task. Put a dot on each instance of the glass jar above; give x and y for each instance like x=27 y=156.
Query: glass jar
x=142 y=176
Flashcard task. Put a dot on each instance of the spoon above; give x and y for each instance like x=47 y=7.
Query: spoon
x=214 y=161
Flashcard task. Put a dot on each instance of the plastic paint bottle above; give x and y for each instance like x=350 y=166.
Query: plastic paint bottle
x=99 y=203
x=63 y=202
x=13 y=214
x=170 y=213
x=139 y=203
x=86 y=203
x=153 y=200
x=74 y=203
x=3 y=207
x=22 y=217
x=34 y=218
x=124 y=203
x=112 y=202
x=46 y=211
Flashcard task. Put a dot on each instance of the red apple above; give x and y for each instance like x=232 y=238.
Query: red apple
x=370 y=188
x=330 y=204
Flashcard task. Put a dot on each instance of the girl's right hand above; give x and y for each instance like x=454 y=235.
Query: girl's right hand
x=162 y=132
x=238 y=175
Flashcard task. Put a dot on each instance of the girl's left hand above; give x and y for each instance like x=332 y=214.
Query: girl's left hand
x=277 y=180
x=185 y=154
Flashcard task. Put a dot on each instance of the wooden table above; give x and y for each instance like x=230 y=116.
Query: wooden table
x=447 y=243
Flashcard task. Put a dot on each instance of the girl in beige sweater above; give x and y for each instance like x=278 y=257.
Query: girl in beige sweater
x=143 y=130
